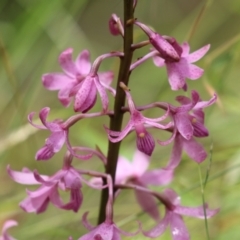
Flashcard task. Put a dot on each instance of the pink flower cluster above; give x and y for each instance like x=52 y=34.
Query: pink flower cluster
x=80 y=83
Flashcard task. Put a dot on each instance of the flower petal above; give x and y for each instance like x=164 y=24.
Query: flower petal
x=172 y=196
x=102 y=93
x=118 y=136
x=184 y=100
x=157 y=125
x=8 y=224
x=187 y=105
x=140 y=163
x=176 y=153
x=85 y=222
x=158 y=61
x=166 y=50
x=197 y=212
x=124 y=170
x=56 y=81
x=75 y=201
x=166 y=114
x=194 y=72
x=199 y=115
x=159 y=229
x=145 y=143
x=164 y=143
x=194 y=150
x=86 y=96
x=147 y=202
x=178 y=228
x=52 y=126
x=44 y=153
x=199 y=130
x=175 y=76
x=106 y=78
x=195 y=56
x=157 y=177
x=53 y=144
x=184 y=125
x=39 y=203
x=64 y=95
x=43 y=114
x=30 y=120
x=95 y=183
x=67 y=64
x=186 y=49
x=204 y=104
x=56 y=140
x=48 y=181
x=83 y=63
x=116 y=235
x=22 y=177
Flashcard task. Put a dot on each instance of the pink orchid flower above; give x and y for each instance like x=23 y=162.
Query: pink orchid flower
x=176 y=58
x=55 y=141
x=68 y=178
x=182 y=68
x=75 y=81
x=173 y=218
x=135 y=172
x=189 y=123
x=145 y=141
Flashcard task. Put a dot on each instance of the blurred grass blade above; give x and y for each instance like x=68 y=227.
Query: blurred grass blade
x=198 y=20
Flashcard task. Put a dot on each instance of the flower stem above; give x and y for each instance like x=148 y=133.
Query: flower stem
x=116 y=119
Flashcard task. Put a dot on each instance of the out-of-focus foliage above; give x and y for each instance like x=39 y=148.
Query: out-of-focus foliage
x=32 y=35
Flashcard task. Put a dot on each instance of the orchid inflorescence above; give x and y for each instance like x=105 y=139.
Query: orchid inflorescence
x=80 y=83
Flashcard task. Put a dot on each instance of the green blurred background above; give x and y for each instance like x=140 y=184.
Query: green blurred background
x=32 y=35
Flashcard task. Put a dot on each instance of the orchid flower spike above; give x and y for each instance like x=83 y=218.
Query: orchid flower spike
x=8 y=224
x=75 y=81
x=173 y=218
x=145 y=141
